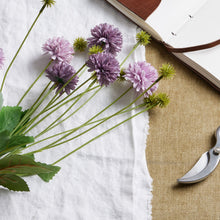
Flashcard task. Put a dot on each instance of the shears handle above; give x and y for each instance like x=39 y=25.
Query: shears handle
x=216 y=148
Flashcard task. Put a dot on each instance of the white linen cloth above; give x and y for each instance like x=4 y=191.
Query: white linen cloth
x=106 y=180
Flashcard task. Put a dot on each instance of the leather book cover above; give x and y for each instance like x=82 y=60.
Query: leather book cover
x=142 y=8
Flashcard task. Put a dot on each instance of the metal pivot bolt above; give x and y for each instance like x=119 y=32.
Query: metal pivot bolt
x=216 y=150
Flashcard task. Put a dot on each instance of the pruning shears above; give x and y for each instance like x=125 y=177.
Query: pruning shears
x=205 y=165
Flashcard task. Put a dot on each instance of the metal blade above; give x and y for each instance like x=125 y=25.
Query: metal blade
x=205 y=165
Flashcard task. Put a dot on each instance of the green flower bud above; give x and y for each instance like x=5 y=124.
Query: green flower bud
x=163 y=100
x=48 y=3
x=143 y=38
x=80 y=44
x=95 y=49
x=150 y=101
x=122 y=73
x=167 y=71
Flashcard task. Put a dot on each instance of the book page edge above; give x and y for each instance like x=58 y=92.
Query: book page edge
x=215 y=82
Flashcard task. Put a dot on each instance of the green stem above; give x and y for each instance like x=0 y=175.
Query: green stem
x=93 y=139
x=46 y=109
x=48 y=128
x=25 y=38
x=133 y=49
x=77 y=128
x=29 y=113
x=40 y=96
x=54 y=144
x=80 y=107
x=107 y=118
x=70 y=131
x=30 y=87
x=70 y=99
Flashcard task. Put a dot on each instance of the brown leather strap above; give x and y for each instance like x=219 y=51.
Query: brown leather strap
x=193 y=48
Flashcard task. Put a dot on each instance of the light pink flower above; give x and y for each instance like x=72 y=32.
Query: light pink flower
x=142 y=75
x=59 y=49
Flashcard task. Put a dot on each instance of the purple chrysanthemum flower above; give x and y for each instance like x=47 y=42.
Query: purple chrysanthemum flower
x=1 y=58
x=60 y=74
x=142 y=75
x=106 y=67
x=107 y=36
x=59 y=49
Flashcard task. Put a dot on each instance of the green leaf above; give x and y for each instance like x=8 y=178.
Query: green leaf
x=9 y=117
x=4 y=139
x=1 y=100
x=13 y=182
x=19 y=164
x=48 y=176
x=31 y=156
x=24 y=122
x=19 y=140
x=8 y=142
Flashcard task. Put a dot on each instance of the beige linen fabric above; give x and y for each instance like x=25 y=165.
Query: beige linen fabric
x=178 y=136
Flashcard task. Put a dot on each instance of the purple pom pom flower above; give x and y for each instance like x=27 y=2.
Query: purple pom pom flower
x=106 y=67
x=1 y=58
x=59 y=49
x=142 y=75
x=60 y=74
x=106 y=36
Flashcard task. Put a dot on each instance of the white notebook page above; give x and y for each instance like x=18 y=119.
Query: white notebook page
x=202 y=28
x=170 y=15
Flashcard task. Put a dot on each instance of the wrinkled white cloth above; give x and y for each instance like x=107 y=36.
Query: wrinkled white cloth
x=106 y=180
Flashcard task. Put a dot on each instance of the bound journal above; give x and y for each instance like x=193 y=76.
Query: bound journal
x=189 y=29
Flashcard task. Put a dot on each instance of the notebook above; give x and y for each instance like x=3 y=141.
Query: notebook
x=189 y=29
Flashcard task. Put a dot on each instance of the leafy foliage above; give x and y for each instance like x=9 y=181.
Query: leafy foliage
x=8 y=143
x=13 y=182
x=48 y=176
x=9 y=117
x=14 y=165
x=1 y=100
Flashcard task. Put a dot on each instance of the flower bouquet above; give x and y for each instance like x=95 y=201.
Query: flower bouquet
x=19 y=143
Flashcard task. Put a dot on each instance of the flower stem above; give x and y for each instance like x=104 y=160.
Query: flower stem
x=25 y=38
x=54 y=144
x=29 y=113
x=43 y=111
x=135 y=46
x=93 y=139
x=46 y=109
x=81 y=106
x=133 y=49
x=30 y=87
x=51 y=125
x=77 y=128
x=70 y=131
x=70 y=99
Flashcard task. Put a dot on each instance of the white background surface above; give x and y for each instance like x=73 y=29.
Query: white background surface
x=108 y=179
